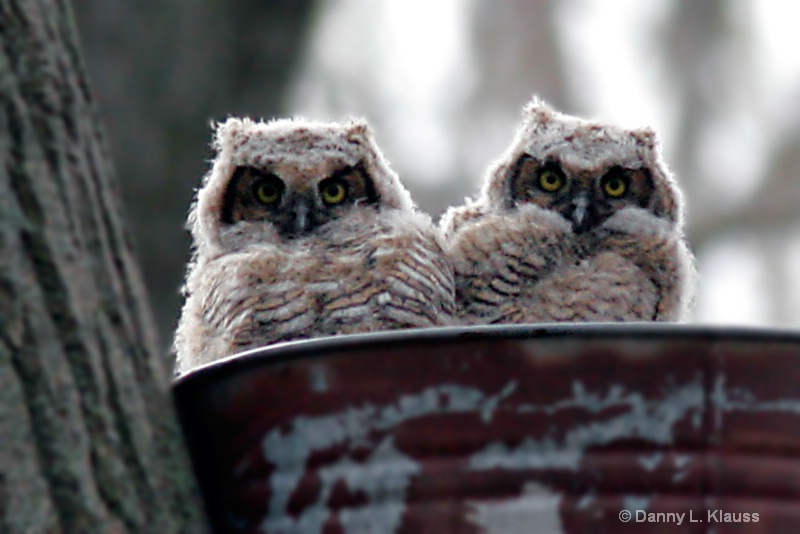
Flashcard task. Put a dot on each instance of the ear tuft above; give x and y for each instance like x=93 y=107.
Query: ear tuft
x=646 y=137
x=358 y=128
x=227 y=132
x=537 y=111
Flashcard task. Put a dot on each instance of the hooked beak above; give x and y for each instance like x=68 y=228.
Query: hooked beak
x=301 y=223
x=580 y=213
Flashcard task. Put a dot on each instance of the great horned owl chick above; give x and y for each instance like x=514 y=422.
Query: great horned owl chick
x=576 y=221
x=300 y=230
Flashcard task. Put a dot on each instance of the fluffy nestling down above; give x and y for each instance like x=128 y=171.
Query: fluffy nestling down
x=301 y=229
x=577 y=221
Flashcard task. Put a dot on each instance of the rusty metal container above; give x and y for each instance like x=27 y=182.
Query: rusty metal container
x=523 y=429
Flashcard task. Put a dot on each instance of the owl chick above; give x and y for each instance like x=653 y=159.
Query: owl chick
x=577 y=221
x=300 y=230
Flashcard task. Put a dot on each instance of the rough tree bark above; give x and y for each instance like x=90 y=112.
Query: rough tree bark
x=88 y=437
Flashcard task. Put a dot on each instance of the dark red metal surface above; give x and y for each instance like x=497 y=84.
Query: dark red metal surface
x=554 y=429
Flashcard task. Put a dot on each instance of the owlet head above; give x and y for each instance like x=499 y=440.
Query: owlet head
x=287 y=178
x=586 y=171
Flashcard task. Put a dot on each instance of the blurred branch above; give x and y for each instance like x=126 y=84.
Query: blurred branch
x=772 y=208
x=707 y=52
x=517 y=53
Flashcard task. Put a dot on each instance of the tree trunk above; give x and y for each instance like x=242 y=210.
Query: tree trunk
x=88 y=437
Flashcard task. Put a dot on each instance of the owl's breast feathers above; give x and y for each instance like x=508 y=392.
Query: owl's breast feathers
x=383 y=273
x=527 y=265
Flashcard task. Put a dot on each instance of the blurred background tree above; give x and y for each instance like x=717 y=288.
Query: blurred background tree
x=162 y=71
x=443 y=83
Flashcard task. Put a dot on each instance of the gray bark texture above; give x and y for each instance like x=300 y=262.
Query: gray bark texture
x=89 y=441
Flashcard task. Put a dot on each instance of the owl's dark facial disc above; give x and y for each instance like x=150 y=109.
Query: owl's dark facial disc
x=585 y=197
x=252 y=194
x=295 y=208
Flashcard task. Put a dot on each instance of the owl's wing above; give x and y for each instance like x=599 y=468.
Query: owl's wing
x=605 y=287
x=665 y=261
x=657 y=248
x=416 y=277
x=497 y=256
x=282 y=302
x=255 y=298
x=216 y=296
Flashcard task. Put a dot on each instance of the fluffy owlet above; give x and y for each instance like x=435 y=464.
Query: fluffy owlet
x=300 y=230
x=577 y=221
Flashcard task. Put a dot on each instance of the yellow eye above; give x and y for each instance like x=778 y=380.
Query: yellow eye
x=615 y=186
x=550 y=180
x=333 y=191
x=268 y=191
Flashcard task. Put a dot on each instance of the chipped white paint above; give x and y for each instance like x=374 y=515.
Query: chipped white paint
x=635 y=502
x=383 y=477
x=652 y=461
x=536 y=511
x=489 y=407
x=683 y=464
x=530 y=454
x=739 y=399
x=319 y=378
x=651 y=420
x=682 y=460
x=585 y=502
x=726 y=399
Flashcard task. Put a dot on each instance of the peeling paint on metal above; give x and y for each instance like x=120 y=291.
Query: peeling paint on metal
x=652 y=461
x=319 y=379
x=554 y=437
x=646 y=419
x=739 y=399
x=535 y=511
x=585 y=501
x=683 y=464
x=491 y=405
x=383 y=477
x=682 y=460
x=530 y=454
x=635 y=502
